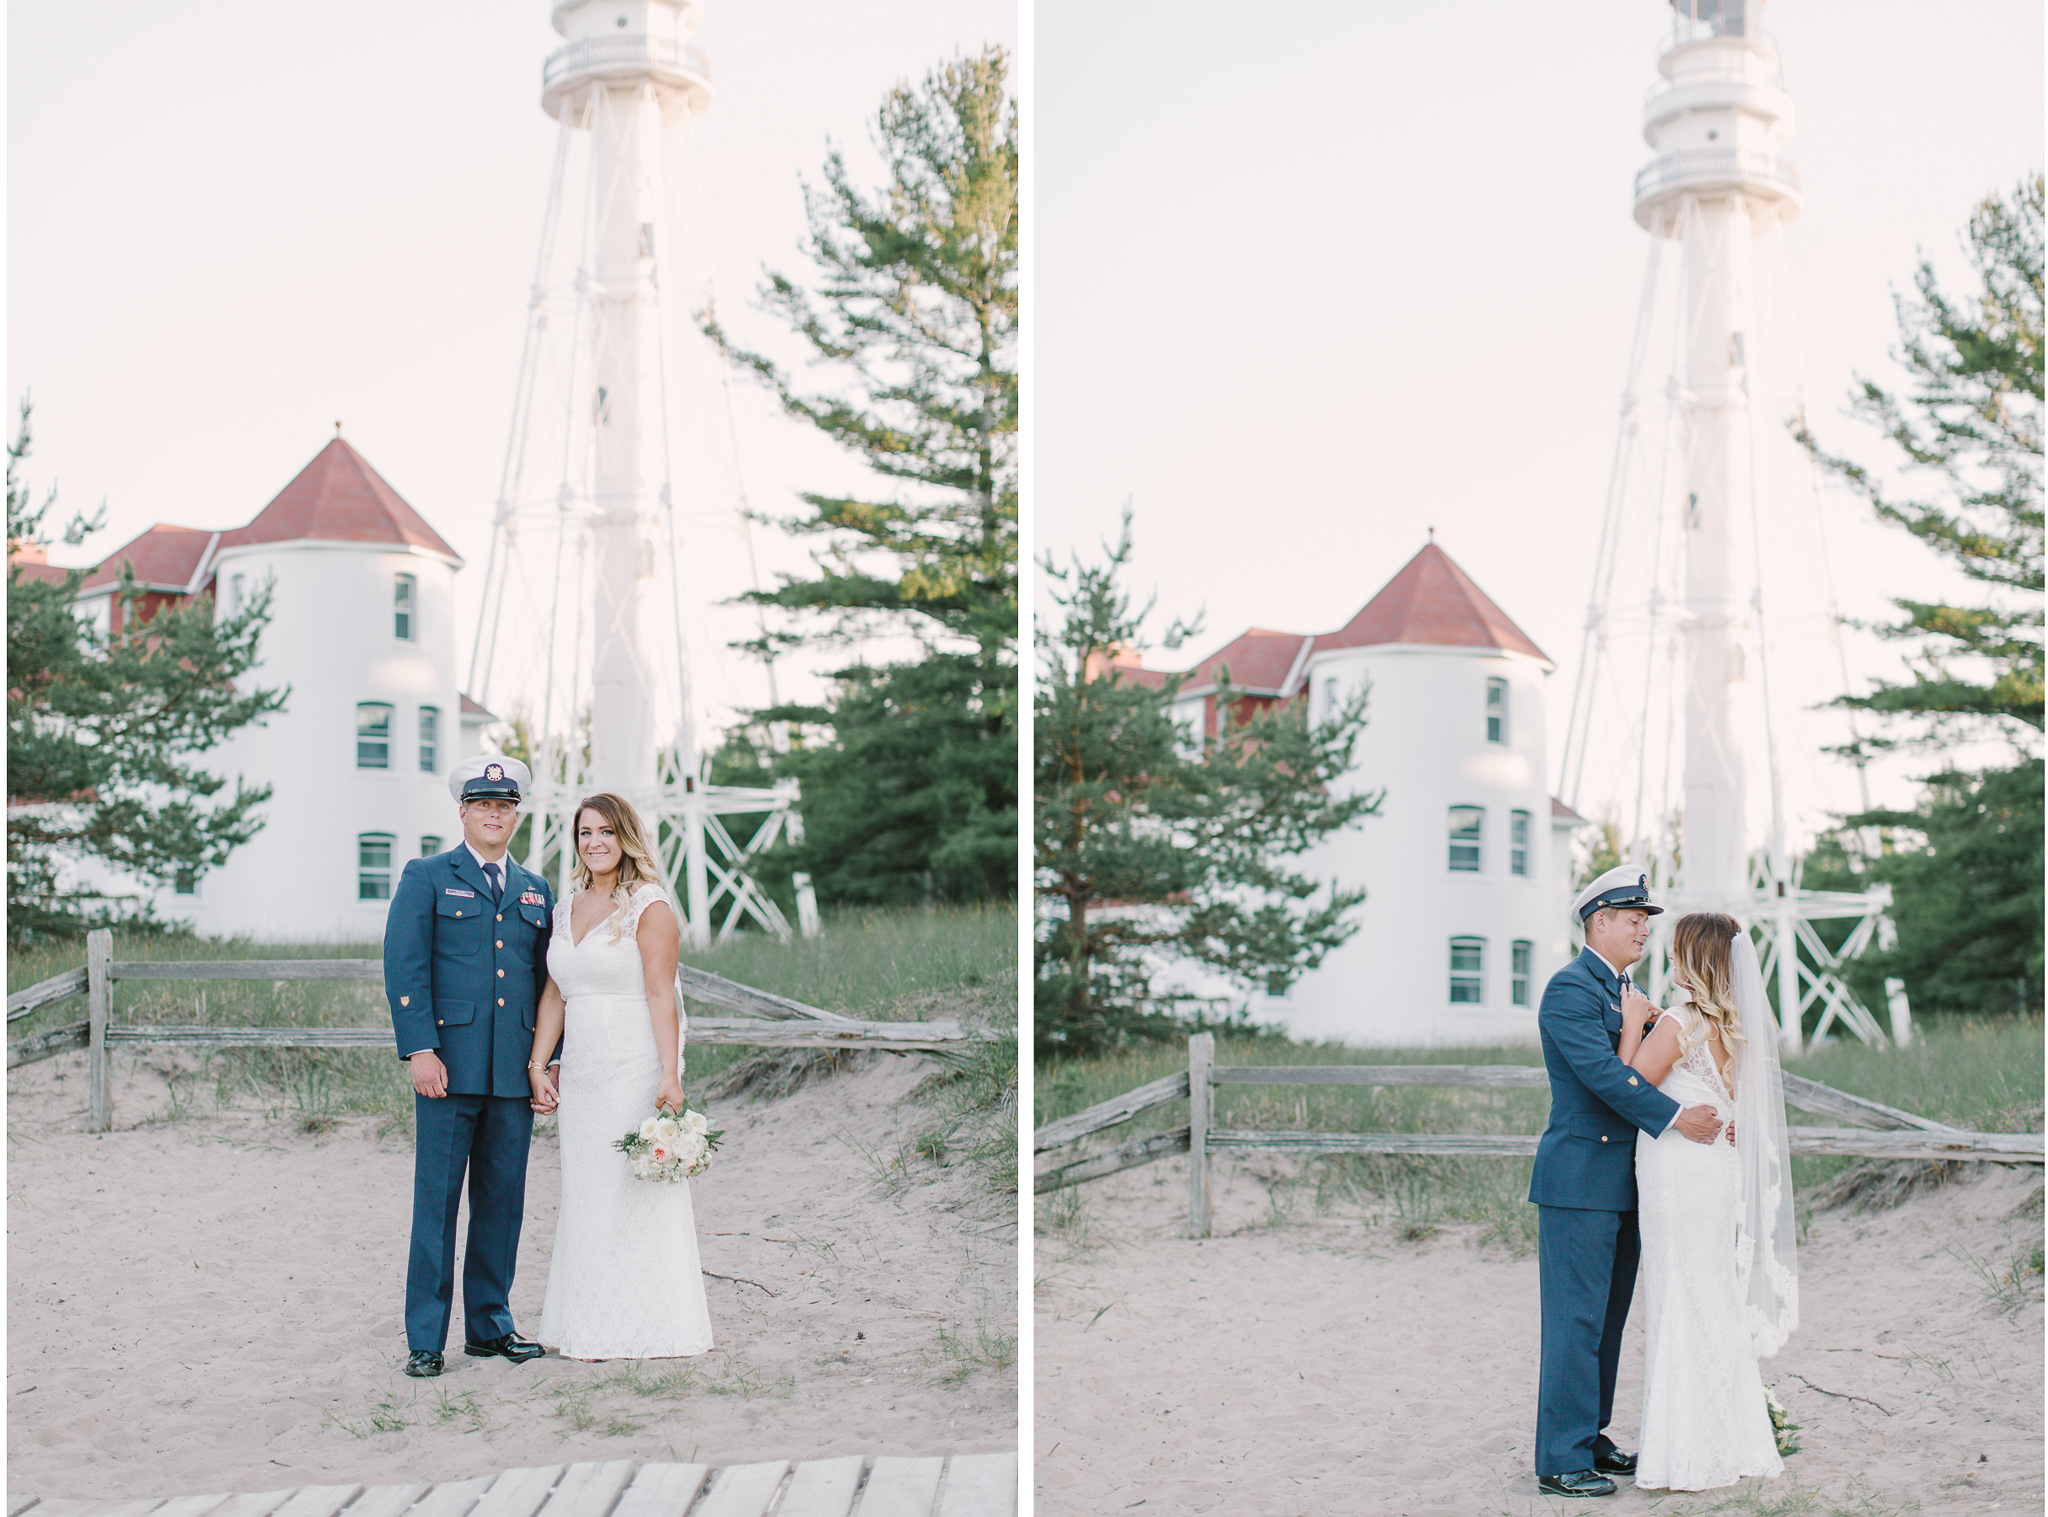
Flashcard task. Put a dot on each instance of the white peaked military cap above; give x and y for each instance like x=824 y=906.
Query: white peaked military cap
x=489 y=777
x=1626 y=886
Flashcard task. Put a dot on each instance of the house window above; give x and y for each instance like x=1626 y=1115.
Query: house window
x=1465 y=824
x=1330 y=698
x=373 y=735
x=404 y=611
x=1519 y=954
x=1496 y=711
x=237 y=586
x=429 y=847
x=373 y=866
x=430 y=733
x=186 y=883
x=1468 y=971
x=1518 y=842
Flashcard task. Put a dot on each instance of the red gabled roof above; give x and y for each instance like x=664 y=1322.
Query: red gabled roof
x=1562 y=815
x=165 y=558
x=338 y=497
x=1434 y=602
x=1258 y=660
x=471 y=709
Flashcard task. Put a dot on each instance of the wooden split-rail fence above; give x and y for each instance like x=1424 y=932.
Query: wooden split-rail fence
x=1880 y=1131
x=765 y=1019
x=965 y=1485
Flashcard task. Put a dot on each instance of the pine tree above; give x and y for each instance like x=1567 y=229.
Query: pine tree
x=1150 y=847
x=909 y=773
x=102 y=730
x=1971 y=423
x=1965 y=863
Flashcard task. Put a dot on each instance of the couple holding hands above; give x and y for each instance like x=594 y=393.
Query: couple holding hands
x=508 y=1003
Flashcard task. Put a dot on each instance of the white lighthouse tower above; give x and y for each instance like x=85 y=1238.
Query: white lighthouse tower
x=1704 y=481
x=587 y=589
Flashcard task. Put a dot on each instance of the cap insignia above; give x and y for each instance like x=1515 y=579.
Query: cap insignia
x=494 y=771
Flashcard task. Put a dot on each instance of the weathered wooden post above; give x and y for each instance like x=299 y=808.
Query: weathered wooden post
x=1201 y=1058
x=99 y=990
x=1902 y=1012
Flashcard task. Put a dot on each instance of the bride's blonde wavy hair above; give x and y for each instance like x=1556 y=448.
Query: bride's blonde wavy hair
x=636 y=859
x=1700 y=946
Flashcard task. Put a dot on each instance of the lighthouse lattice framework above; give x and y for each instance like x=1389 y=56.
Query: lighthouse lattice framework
x=1695 y=509
x=587 y=589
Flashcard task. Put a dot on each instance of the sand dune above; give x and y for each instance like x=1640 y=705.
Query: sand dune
x=1323 y=1366
x=214 y=1303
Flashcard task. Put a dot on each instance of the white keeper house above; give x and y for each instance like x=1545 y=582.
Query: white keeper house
x=1467 y=865
x=362 y=630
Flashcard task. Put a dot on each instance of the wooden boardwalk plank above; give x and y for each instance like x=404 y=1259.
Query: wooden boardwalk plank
x=386 y=1500
x=587 y=1489
x=130 y=1508
x=17 y=1504
x=516 y=1493
x=258 y=1504
x=822 y=1488
x=63 y=1507
x=319 y=1500
x=980 y=1485
x=194 y=1506
x=901 y=1487
x=451 y=1500
x=662 y=1490
x=743 y=1490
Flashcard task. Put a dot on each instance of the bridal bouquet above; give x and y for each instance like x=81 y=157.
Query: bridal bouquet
x=670 y=1148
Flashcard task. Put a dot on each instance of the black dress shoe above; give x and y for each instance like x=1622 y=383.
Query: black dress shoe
x=1615 y=1462
x=1577 y=1483
x=511 y=1346
x=422 y=1363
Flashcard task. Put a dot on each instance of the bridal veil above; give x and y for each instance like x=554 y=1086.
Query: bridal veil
x=1766 y=1258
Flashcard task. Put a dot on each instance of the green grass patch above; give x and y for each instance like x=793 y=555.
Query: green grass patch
x=957 y=964
x=1984 y=1075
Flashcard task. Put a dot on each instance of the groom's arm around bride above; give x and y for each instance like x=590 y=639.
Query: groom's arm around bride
x=1584 y=1187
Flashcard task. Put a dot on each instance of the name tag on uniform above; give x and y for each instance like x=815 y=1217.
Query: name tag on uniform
x=468 y=895
x=1612 y=1007
x=532 y=898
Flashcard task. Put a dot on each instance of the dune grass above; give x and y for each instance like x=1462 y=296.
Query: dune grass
x=877 y=965
x=1982 y=1074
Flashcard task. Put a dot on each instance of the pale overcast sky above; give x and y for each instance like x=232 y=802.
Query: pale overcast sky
x=231 y=223
x=1313 y=278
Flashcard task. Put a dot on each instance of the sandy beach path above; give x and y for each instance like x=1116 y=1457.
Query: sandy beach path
x=213 y=1303
x=1322 y=1366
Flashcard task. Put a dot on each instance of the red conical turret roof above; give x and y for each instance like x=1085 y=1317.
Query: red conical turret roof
x=338 y=497
x=1433 y=602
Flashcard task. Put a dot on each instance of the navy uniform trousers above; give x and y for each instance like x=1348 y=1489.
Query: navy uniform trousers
x=1584 y=1187
x=463 y=972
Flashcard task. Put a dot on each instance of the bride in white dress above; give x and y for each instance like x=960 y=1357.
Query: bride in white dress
x=625 y=1281
x=1719 y=1276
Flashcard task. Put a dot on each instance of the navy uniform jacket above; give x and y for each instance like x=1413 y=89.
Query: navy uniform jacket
x=464 y=976
x=1587 y=1155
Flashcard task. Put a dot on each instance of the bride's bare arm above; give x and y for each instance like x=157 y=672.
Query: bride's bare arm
x=660 y=939
x=547 y=1037
x=1658 y=1053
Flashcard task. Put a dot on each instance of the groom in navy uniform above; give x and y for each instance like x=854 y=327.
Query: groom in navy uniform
x=465 y=960
x=1584 y=1184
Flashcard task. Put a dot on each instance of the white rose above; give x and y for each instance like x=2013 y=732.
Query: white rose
x=649 y=1128
x=697 y=1122
x=667 y=1129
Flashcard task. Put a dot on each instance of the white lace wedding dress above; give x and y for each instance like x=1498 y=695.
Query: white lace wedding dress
x=1704 y=1420
x=625 y=1281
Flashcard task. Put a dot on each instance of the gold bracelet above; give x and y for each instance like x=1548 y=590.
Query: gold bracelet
x=536 y=1066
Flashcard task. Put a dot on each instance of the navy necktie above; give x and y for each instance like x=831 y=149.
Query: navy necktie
x=497 y=890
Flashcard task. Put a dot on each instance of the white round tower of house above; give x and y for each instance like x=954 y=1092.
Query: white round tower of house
x=1467 y=863
x=362 y=628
